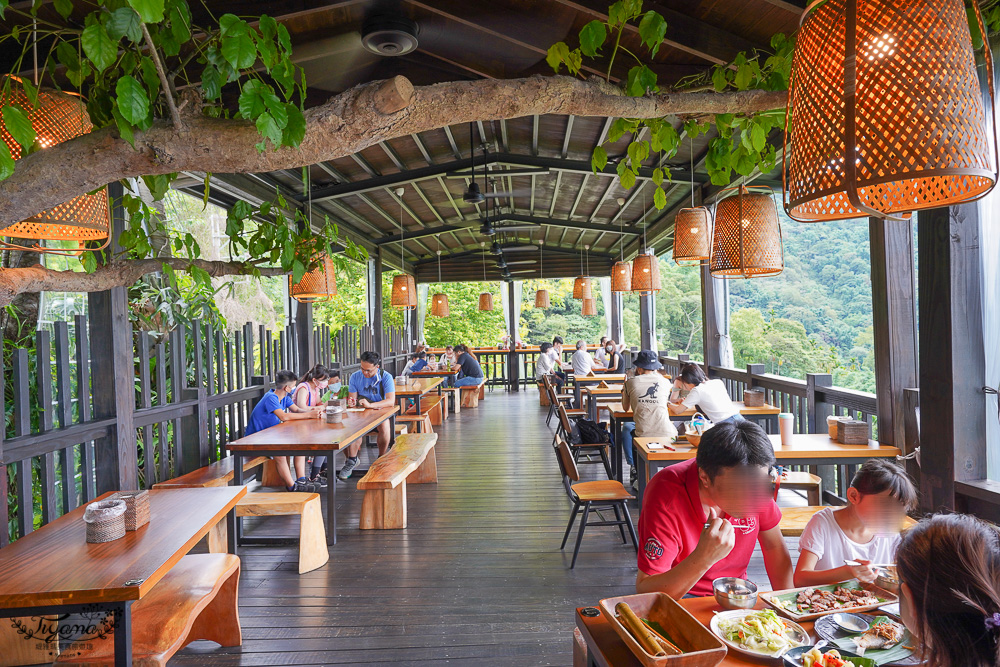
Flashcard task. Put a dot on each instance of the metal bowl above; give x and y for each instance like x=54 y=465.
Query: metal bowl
x=853 y=623
x=887 y=578
x=735 y=593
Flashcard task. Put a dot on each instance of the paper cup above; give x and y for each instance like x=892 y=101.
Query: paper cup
x=786 y=424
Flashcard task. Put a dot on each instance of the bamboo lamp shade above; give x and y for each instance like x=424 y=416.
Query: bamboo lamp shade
x=404 y=292
x=583 y=288
x=692 y=235
x=885 y=113
x=646 y=274
x=58 y=117
x=589 y=308
x=621 y=277
x=439 y=305
x=317 y=285
x=746 y=242
x=485 y=301
x=542 y=299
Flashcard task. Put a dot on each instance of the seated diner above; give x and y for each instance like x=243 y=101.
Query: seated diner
x=709 y=397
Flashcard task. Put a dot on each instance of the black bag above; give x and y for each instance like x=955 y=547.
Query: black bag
x=590 y=433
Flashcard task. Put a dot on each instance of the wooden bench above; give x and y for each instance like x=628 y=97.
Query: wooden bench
x=196 y=599
x=421 y=423
x=456 y=399
x=803 y=481
x=794 y=520
x=411 y=460
x=435 y=407
x=313 y=551
x=219 y=473
x=401 y=428
x=472 y=394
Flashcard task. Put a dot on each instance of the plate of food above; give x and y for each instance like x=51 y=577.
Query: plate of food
x=886 y=640
x=811 y=602
x=811 y=656
x=758 y=633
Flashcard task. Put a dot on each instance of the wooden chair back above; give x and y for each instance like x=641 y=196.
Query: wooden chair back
x=564 y=421
x=567 y=464
x=550 y=389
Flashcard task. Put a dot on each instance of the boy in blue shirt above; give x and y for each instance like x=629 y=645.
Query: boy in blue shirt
x=277 y=406
x=371 y=387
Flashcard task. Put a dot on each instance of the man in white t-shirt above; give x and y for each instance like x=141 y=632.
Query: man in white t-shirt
x=708 y=396
x=646 y=395
x=581 y=360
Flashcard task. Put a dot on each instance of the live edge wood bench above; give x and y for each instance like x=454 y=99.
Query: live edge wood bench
x=472 y=394
x=196 y=599
x=313 y=552
x=411 y=460
x=435 y=408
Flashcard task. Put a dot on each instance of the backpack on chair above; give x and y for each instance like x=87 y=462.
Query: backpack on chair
x=590 y=433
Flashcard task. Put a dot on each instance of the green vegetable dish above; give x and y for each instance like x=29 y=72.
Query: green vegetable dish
x=761 y=632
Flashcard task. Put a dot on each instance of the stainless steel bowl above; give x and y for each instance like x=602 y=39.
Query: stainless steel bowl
x=735 y=593
x=887 y=578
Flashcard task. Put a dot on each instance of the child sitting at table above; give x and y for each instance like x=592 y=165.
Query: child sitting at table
x=865 y=531
x=277 y=406
x=949 y=569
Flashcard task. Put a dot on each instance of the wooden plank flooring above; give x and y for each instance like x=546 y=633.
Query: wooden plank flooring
x=477 y=577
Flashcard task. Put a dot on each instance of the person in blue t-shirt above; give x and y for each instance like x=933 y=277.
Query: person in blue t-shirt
x=277 y=406
x=370 y=387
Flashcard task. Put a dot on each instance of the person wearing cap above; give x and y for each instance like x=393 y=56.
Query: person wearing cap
x=646 y=395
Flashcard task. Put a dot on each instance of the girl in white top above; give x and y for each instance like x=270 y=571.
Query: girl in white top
x=866 y=530
x=710 y=396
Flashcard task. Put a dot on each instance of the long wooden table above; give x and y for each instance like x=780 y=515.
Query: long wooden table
x=606 y=649
x=53 y=570
x=415 y=389
x=803 y=449
x=597 y=394
x=441 y=373
x=306 y=437
x=580 y=381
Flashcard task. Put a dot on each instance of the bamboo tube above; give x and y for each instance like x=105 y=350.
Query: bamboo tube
x=646 y=637
x=668 y=645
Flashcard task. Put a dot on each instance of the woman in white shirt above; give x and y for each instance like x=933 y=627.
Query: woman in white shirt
x=708 y=396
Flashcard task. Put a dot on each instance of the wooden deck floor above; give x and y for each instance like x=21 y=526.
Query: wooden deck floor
x=477 y=577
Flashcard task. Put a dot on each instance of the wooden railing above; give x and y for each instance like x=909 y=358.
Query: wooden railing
x=350 y=342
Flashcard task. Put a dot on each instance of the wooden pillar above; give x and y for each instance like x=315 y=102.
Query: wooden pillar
x=513 y=367
x=113 y=370
x=647 y=322
x=304 y=338
x=952 y=359
x=894 y=315
x=375 y=300
x=617 y=328
x=710 y=325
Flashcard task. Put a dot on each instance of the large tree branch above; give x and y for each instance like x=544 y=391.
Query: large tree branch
x=345 y=124
x=116 y=274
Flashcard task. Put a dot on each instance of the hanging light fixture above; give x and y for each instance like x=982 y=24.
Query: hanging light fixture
x=404 y=289
x=692 y=230
x=746 y=242
x=317 y=285
x=621 y=272
x=486 y=298
x=645 y=267
x=589 y=308
x=58 y=117
x=582 y=286
x=885 y=114
x=542 y=295
x=439 y=302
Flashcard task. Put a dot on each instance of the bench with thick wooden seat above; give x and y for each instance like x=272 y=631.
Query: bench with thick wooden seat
x=196 y=599
x=456 y=398
x=401 y=428
x=803 y=481
x=472 y=394
x=418 y=423
x=411 y=460
x=313 y=551
x=219 y=473
x=794 y=520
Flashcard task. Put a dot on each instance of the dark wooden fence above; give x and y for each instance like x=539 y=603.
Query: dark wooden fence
x=194 y=390
x=350 y=342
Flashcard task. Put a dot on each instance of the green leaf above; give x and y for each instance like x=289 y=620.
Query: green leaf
x=98 y=46
x=268 y=129
x=158 y=184
x=977 y=35
x=67 y=55
x=64 y=7
x=124 y=127
x=652 y=30
x=133 y=101
x=668 y=138
x=744 y=75
x=150 y=11
x=295 y=129
x=659 y=199
x=89 y=261
x=719 y=81
x=657 y=177
x=758 y=138
x=616 y=130
x=637 y=152
x=17 y=125
x=6 y=162
x=31 y=91
x=599 y=159
x=208 y=190
x=179 y=27
x=211 y=82
x=3 y=7
x=724 y=120
x=150 y=77
x=268 y=27
x=284 y=39
x=640 y=80
x=298 y=270
x=239 y=51
x=251 y=103
x=617 y=15
x=592 y=38
x=628 y=179
x=574 y=61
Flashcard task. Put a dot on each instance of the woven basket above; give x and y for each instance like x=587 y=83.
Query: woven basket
x=753 y=398
x=136 y=508
x=852 y=432
x=108 y=528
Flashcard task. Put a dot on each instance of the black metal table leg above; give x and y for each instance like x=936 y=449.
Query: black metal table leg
x=122 y=612
x=236 y=534
x=331 y=501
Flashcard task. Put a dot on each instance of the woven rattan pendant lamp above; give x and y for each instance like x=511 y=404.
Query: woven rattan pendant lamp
x=583 y=287
x=317 y=285
x=692 y=230
x=885 y=114
x=541 y=296
x=746 y=242
x=646 y=266
x=589 y=308
x=439 y=302
x=404 y=289
x=621 y=272
x=58 y=117
x=486 y=298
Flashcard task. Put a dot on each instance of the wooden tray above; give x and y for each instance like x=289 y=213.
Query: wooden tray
x=886 y=596
x=701 y=647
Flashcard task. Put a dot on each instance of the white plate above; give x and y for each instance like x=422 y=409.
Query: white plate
x=796 y=632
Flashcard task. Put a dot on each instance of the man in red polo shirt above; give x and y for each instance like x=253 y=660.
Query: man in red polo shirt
x=701 y=519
